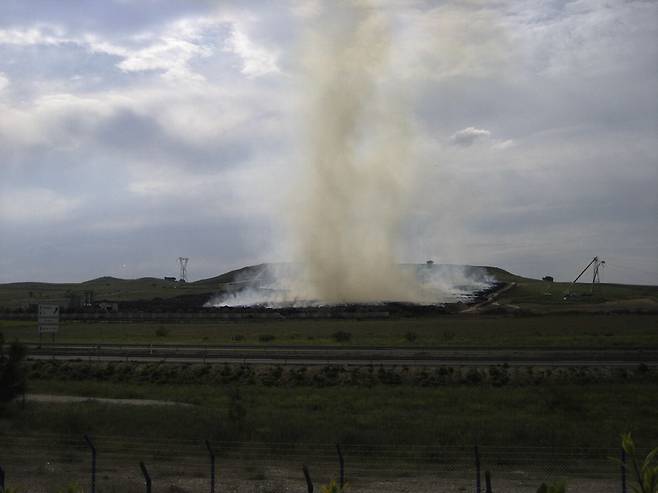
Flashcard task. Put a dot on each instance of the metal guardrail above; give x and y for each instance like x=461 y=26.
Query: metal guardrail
x=338 y=354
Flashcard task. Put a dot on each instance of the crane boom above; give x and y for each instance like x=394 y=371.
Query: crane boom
x=595 y=259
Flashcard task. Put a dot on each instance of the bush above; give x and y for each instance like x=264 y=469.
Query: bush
x=558 y=487
x=161 y=332
x=13 y=381
x=342 y=336
x=266 y=338
x=411 y=336
x=237 y=337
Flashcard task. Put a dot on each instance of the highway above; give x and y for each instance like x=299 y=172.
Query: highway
x=349 y=355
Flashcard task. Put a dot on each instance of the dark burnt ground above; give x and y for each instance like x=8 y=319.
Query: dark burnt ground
x=194 y=303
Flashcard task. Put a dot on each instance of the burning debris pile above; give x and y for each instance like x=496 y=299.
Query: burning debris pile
x=277 y=285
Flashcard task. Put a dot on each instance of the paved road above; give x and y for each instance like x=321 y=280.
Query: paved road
x=345 y=355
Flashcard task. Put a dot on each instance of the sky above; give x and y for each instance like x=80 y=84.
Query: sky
x=135 y=132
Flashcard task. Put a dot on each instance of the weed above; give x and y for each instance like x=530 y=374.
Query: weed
x=645 y=471
x=411 y=336
x=448 y=335
x=557 y=487
x=162 y=331
x=342 y=336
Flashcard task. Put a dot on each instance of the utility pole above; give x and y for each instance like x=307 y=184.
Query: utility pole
x=596 y=276
x=182 y=263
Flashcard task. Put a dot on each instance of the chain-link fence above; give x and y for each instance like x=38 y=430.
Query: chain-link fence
x=48 y=463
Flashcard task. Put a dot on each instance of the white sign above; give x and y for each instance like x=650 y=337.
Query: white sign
x=48 y=319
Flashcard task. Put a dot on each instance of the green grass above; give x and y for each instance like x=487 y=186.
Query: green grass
x=15 y=295
x=562 y=416
x=577 y=330
x=544 y=296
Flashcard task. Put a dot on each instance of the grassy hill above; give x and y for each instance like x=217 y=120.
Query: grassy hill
x=529 y=293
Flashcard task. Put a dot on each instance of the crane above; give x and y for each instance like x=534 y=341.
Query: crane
x=596 y=276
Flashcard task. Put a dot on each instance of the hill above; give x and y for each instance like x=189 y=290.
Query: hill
x=528 y=293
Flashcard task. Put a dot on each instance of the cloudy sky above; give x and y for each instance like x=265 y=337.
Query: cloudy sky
x=135 y=132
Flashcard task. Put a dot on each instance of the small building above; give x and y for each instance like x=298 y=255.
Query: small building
x=547 y=278
x=172 y=279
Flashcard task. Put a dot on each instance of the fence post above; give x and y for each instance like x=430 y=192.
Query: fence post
x=478 y=486
x=93 y=463
x=2 y=479
x=341 y=462
x=623 y=471
x=147 y=478
x=487 y=482
x=307 y=476
x=211 y=452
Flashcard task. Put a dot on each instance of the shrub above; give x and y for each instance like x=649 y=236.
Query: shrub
x=266 y=338
x=13 y=380
x=473 y=376
x=161 y=332
x=342 y=336
x=411 y=336
x=237 y=337
x=448 y=335
x=558 y=487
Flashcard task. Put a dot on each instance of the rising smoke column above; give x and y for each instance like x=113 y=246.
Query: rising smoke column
x=358 y=177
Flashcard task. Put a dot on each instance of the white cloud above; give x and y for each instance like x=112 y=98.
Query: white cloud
x=469 y=135
x=256 y=60
x=170 y=50
x=41 y=34
x=501 y=145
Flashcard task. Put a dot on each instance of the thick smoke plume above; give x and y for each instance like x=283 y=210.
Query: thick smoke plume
x=358 y=177
x=356 y=182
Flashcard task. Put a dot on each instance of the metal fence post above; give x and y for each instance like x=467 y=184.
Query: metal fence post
x=211 y=452
x=147 y=478
x=341 y=462
x=307 y=476
x=623 y=471
x=478 y=486
x=2 y=479
x=487 y=482
x=93 y=463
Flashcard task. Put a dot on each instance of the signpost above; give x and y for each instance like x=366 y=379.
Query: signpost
x=48 y=320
